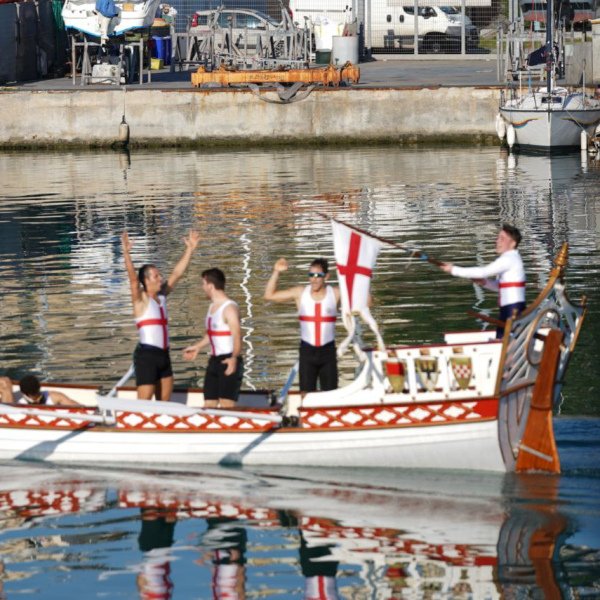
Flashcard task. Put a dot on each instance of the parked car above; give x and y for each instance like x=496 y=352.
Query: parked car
x=239 y=18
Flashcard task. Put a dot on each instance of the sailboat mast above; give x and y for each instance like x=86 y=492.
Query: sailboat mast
x=549 y=52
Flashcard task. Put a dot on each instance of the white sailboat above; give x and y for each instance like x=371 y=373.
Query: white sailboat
x=549 y=117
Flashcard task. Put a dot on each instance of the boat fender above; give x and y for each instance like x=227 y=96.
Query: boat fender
x=511 y=136
x=500 y=126
x=123 y=132
x=583 y=140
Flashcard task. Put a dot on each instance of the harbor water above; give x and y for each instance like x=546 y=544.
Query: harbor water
x=65 y=315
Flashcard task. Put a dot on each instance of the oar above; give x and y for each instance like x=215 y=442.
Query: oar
x=412 y=252
x=288 y=384
x=175 y=409
x=14 y=410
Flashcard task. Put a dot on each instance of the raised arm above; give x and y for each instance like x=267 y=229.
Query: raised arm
x=134 y=282
x=275 y=295
x=191 y=243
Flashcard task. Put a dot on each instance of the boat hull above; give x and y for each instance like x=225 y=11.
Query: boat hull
x=445 y=446
x=550 y=129
x=82 y=16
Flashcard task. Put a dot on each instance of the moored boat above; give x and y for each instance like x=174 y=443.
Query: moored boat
x=550 y=117
x=471 y=402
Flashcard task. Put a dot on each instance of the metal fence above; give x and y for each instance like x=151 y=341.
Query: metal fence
x=402 y=28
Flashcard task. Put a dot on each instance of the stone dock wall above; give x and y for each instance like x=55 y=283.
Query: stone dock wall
x=210 y=117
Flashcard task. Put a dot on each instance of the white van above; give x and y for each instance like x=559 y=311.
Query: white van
x=392 y=23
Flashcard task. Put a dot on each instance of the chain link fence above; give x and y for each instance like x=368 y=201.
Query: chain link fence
x=402 y=28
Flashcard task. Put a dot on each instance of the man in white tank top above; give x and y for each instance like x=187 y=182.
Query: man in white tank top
x=153 y=371
x=225 y=369
x=508 y=270
x=317 y=310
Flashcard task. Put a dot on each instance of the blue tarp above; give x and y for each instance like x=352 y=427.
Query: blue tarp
x=106 y=8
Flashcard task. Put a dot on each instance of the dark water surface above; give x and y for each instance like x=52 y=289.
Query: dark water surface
x=64 y=300
x=304 y=533
x=288 y=533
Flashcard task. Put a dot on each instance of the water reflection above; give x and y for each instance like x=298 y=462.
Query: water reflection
x=222 y=533
x=64 y=298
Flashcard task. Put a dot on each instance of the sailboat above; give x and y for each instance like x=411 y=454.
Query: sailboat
x=549 y=117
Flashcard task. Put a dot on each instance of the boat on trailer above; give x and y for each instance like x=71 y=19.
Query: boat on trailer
x=470 y=402
x=129 y=16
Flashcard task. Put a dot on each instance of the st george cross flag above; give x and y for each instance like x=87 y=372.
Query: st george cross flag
x=355 y=255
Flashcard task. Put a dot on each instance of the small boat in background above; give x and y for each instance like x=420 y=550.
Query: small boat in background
x=129 y=15
x=549 y=117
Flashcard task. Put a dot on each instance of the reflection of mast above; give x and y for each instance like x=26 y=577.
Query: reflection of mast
x=248 y=329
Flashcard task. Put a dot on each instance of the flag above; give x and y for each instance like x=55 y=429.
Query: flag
x=355 y=256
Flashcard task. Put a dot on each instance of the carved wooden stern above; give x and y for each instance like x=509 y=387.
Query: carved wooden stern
x=535 y=355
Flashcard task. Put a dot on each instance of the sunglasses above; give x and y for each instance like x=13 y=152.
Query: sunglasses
x=313 y=274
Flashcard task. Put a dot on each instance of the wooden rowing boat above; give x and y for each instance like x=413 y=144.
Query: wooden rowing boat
x=471 y=402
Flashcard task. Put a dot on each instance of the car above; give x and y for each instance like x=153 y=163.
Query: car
x=244 y=23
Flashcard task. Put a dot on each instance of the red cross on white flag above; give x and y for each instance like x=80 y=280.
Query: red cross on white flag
x=355 y=256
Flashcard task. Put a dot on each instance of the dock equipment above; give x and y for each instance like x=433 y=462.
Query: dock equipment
x=327 y=76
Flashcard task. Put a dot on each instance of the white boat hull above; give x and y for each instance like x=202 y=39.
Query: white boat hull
x=83 y=17
x=456 y=446
x=540 y=126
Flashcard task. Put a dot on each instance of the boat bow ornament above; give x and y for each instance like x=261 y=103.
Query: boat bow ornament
x=469 y=402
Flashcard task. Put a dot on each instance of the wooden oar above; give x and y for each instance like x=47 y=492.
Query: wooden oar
x=178 y=410
x=412 y=252
x=15 y=410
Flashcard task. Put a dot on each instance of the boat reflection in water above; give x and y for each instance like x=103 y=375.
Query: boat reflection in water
x=322 y=533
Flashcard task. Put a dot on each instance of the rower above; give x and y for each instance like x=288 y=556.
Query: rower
x=153 y=371
x=32 y=394
x=509 y=270
x=223 y=378
x=317 y=305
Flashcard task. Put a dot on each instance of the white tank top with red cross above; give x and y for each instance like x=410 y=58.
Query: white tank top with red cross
x=153 y=325
x=317 y=319
x=219 y=333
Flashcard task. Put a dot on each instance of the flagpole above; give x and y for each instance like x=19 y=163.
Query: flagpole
x=413 y=253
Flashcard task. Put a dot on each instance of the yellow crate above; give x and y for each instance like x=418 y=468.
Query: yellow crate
x=156 y=63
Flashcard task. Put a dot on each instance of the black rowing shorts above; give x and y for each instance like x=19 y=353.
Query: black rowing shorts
x=318 y=363
x=151 y=364
x=217 y=384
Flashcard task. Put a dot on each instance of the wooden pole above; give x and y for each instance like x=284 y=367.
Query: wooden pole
x=413 y=253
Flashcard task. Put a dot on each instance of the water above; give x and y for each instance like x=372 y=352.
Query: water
x=66 y=316
x=64 y=300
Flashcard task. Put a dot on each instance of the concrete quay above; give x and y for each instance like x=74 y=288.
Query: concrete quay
x=445 y=101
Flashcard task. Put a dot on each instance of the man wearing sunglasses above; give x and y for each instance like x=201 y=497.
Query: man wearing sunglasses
x=317 y=305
